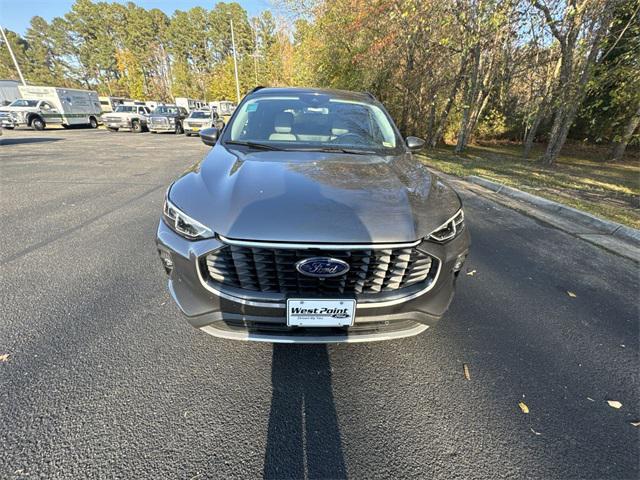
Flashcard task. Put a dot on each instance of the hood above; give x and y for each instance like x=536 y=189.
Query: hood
x=17 y=109
x=314 y=197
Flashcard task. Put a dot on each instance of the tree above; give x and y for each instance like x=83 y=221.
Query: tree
x=579 y=30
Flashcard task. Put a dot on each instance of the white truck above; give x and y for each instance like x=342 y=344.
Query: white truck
x=42 y=106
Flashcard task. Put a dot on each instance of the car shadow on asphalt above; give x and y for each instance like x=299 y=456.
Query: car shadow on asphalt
x=19 y=141
x=303 y=439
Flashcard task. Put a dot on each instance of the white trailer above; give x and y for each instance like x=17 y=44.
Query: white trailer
x=8 y=91
x=42 y=106
x=190 y=103
x=109 y=104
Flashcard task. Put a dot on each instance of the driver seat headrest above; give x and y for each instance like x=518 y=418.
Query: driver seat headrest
x=283 y=122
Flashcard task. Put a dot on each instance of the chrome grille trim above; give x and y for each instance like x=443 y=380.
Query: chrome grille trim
x=390 y=271
x=323 y=246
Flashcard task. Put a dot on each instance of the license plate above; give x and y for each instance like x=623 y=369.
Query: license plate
x=195 y=129
x=320 y=313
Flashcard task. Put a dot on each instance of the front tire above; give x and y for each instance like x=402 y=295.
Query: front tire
x=93 y=123
x=136 y=127
x=38 y=124
x=188 y=134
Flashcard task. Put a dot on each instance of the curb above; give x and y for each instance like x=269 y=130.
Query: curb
x=600 y=225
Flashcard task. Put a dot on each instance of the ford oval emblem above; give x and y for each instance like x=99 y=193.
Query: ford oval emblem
x=322 y=267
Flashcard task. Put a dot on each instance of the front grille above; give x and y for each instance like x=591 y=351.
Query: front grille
x=274 y=270
x=159 y=121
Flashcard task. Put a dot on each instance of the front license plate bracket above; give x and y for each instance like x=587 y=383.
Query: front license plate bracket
x=310 y=312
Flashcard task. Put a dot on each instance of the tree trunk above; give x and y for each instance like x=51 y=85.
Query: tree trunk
x=533 y=131
x=442 y=121
x=470 y=94
x=620 y=146
x=405 y=104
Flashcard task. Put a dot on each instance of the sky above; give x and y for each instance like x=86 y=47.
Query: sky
x=15 y=15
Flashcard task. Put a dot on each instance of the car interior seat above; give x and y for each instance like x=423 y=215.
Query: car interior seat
x=282 y=126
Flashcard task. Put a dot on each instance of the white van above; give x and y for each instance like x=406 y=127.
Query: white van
x=42 y=106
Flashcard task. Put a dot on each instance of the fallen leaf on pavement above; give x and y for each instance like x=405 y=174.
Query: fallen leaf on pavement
x=635 y=424
x=537 y=433
x=471 y=273
x=523 y=407
x=467 y=374
x=571 y=294
x=4 y=357
x=614 y=403
x=590 y=399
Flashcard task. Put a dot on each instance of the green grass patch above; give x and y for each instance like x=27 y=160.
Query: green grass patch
x=579 y=179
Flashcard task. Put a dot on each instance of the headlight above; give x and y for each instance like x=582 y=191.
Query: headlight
x=449 y=229
x=183 y=224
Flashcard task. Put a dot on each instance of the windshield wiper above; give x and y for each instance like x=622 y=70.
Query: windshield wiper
x=338 y=150
x=258 y=146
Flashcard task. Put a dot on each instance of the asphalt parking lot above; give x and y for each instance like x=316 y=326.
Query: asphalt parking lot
x=104 y=379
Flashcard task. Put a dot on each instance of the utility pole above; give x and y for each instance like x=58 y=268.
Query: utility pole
x=13 y=57
x=235 y=60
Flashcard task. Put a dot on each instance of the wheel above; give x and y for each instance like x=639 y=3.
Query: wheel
x=112 y=129
x=136 y=127
x=188 y=134
x=179 y=129
x=93 y=123
x=38 y=124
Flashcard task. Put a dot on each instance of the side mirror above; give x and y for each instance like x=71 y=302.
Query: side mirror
x=415 y=143
x=209 y=136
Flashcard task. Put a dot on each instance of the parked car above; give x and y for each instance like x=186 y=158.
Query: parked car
x=167 y=118
x=42 y=106
x=199 y=119
x=310 y=220
x=127 y=117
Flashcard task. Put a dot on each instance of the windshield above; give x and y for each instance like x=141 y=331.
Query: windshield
x=24 y=103
x=125 y=108
x=312 y=121
x=200 y=115
x=166 y=110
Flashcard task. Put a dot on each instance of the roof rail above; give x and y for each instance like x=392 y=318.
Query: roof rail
x=255 y=89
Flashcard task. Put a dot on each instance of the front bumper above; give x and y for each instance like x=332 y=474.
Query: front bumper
x=9 y=122
x=193 y=129
x=228 y=315
x=113 y=123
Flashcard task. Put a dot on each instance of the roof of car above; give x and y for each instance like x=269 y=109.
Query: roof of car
x=344 y=94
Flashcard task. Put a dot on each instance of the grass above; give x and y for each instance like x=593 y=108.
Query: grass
x=580 y=178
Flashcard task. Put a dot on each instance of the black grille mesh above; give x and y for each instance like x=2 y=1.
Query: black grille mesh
x=273 y=270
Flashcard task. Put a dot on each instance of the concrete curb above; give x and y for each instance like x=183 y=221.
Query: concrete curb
x=578 y=216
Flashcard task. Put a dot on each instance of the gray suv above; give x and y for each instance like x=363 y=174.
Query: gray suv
x=311 y=221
